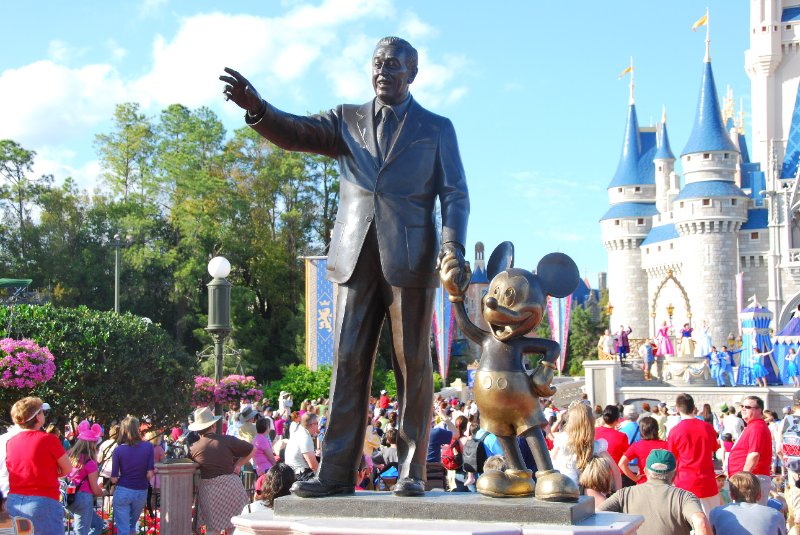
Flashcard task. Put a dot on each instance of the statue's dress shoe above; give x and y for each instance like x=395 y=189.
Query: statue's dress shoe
x=553 y=486
x=314 y=488
x=508 y=484
x=408 y=486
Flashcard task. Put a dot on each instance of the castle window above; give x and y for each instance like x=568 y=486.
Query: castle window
x=681 y=204
x=706 y=156
x=754 y=235
x=725 y=156
x=659 y=168
x=706 y=202
x=647 y=251
x=774 y=28
x=788 y=26
x=616 y=222
x=733 y=202
x=688 y=158
x=637 y=189
x=619 y=190
x=670 y=245
x=659 y=248
x=763 y=28
x=640 y=221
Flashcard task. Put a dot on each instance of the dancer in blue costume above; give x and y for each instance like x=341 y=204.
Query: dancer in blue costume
x=715 y=364
x=759 y=370
x=726 y=366
x=791 y=367
x=687 y=344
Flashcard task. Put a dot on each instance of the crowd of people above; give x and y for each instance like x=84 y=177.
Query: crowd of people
x=734 y=468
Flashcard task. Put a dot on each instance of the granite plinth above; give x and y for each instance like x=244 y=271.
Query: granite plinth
x=263 y=523
x=435 y=505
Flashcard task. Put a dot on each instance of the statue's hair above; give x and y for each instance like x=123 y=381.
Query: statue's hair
x=411 y=52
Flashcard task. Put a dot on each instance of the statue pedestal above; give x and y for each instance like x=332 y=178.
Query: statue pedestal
x=177 y=494
x=436 y=513
x=603 y=377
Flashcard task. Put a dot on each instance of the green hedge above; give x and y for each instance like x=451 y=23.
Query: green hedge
x=107 y=365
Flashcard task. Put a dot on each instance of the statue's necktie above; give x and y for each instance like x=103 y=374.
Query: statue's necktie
x=386 y=130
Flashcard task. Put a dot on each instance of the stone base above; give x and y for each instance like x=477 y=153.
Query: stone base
x=435 y=505
x=265 y=524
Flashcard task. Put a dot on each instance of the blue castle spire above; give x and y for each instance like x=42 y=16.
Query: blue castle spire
x=663 y=150
x=709 y=131
x=628 y=167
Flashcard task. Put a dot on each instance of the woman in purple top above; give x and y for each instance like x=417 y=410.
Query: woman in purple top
x=132 y=467
x=263 y=456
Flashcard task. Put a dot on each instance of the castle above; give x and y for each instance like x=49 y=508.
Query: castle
x=698 y=251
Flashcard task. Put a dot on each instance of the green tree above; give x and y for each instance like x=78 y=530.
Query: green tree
x=583 y=336
x=107 y=365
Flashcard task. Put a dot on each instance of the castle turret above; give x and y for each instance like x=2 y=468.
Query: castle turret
x=708 y=213
x=762 y=63
x=627 y=222
x=667 y=182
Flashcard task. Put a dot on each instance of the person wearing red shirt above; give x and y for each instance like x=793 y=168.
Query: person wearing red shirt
x=753 y=451
x=384 y=400
x=641 y=449
x=617 y=440
x=35 y=460
x=693 y=442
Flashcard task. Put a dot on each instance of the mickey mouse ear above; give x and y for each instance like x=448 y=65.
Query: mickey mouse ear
x=502 y=258
x=83 y=426
x=558 y=274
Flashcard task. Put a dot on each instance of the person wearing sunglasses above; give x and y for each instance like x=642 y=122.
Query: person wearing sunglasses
x=753 y=451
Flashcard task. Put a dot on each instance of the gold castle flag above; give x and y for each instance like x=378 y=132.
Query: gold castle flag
x=626 y=71
x=702 y=21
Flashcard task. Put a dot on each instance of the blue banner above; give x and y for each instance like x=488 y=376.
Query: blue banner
x=320 y=300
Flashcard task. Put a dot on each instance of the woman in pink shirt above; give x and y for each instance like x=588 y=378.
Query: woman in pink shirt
x=263 y=456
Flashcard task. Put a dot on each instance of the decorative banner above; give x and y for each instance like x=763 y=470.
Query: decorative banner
x=443 y=328
x=558 y=312
x=320 y=299
x=740 y=296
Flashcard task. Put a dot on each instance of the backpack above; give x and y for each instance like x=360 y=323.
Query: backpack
x=474 y=455
x=452 y=458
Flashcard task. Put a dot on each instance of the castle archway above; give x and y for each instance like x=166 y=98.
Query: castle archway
x=670 y=303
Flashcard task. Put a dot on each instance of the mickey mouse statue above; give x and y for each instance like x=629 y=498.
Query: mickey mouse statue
x=506 y=394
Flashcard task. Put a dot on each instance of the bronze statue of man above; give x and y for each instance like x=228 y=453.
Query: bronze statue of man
x=395 y=159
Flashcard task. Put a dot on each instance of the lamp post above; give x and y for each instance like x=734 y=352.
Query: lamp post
x=219 y=317
x=118 y=244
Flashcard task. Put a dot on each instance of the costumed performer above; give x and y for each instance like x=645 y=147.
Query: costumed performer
x=726 y=366
x=759 y=369
x=623 y=345
x=704 y=342
x=606 y=343
x=647 y=353
x=663 y=342
x=687 y=344
x=791 y=367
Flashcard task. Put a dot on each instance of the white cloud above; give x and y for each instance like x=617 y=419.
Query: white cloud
x=58 y=51
x=61 y=164
x=413 y=29
x=151 y=7
x=45 y=104
x=435 y=85
x=116 y=51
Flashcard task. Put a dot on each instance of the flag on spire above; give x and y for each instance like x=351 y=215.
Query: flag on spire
x=702 y=21
x=626 y=71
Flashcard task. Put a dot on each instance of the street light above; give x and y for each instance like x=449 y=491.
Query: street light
x=118 y=244
x=219 y=317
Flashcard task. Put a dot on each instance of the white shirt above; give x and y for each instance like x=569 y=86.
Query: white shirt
x=732 y=424
x=299 y=443
x=13 y=430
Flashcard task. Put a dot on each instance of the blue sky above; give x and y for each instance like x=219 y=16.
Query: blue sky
x=532 y=87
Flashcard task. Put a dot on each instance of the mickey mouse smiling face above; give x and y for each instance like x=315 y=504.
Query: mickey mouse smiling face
x=514 y=304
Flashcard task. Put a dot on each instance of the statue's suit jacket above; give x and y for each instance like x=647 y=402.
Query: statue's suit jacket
x=397 y=195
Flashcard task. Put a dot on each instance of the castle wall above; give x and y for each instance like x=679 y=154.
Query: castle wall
x=627 y=286
x=710 y=264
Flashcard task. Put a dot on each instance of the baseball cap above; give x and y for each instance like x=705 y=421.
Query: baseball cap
x=660 y=462
x=383 y=391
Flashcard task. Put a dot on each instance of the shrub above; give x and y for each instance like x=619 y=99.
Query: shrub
x=107 y=365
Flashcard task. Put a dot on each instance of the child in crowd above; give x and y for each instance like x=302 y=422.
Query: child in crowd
x=274 y=484
x=597 y=479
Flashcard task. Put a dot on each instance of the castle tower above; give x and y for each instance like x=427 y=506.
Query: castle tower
x=627 y=222
x=667 y=182
x=763 y=65
x=708 y=213
x=477 y=288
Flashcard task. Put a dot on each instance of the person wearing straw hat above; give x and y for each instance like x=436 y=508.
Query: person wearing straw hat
x=666 y=509
x=221 y=495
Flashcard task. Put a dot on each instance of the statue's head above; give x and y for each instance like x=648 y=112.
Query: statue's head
x=394 y=67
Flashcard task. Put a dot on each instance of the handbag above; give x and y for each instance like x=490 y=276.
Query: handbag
x=72 y=489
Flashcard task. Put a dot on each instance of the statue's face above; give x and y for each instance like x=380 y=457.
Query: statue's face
x=390 y=75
